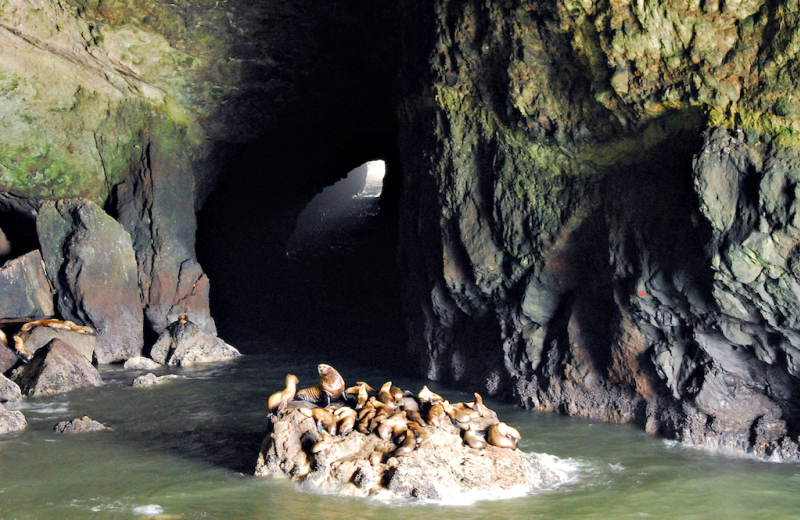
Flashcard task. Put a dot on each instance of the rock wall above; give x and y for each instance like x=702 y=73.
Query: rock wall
x=598 y=215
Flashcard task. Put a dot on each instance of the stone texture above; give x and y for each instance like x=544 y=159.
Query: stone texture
x=90 y=260
x=152 y=380
x=7 y=359
x=359 y=465
x=9 y=390
x=184 y=344
x=11 y=421
x=141 y=363
x=55 y=369
x=575 y=234
x=38 y=337
x=25 y=291
x=80 y=425
x=171 y=281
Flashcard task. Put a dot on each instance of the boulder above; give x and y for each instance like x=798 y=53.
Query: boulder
x=9 y=390
x=361 y=464
x=141 y=363
x=89 y=258
x=80 y=425
x=7 y=359
x=172 y=282
x=54 y=369
x=11 y=421
x=184 y=343
x=38 y=337
x=151 y=379
x=25 y=291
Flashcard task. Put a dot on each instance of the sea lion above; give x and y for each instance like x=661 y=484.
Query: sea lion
x=437 y=415
x=346 y=418
x=408 y=445
x=19 y=346
x=323 y=445
x=385 y=395
x=323 y=416
x=278 y=400
x=482 y=409
x=58 y=324
x=472 y=438
x=330 y=387
x=503 y=436
x=183 y=318
x=426 y=396
x=415 y=417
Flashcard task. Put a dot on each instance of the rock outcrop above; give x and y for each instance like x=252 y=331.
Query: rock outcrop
x=599 y=213
x=141 y=363
x=55 y=369
x=25 y=291
x=9 y=390
x=184 y=343
x=360 y=464
x=152 y=380
x=7 y=359
x=38 y=337
x=11 y=421
x=90 y=260
x=78 y=425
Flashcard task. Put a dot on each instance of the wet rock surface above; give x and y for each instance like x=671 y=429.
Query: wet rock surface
x=7 y=359
x=55 y=369
x=185 y=343
x=9 y=390
x=151 y=379
x=25 y=291
x=90 y=260
x=362 y=464
x=80 y=425
x=11 y=421
x=141 y=363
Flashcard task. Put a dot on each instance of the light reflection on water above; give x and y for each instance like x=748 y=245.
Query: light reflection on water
x=186 y=450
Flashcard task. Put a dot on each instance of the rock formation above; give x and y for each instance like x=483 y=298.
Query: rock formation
x=89 y=258
x=152 y=380
x=183 y=343
x=54 y=369
x=25 y=291
x=9 y=390
x=11 y=421
x=80 y=425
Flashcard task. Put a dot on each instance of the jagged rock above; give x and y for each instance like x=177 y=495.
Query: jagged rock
x=90 y=260
x=11 y=421
x=25 y=291
x=38 y=337
x=80 y=425
x=358 y=464
x=54 y=369
x=7 y=359
x=152 y=379
x=172 y=283
x=185 y=344
x=9 y=390
x=141 y=363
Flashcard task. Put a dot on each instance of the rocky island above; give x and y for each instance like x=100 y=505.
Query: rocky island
x=360 y=442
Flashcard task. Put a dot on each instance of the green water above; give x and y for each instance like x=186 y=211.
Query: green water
x=186 y=449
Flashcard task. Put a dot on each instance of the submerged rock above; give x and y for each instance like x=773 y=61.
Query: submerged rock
x=9 y=390
x=151 y=379
x=55 y=369
x=184 y=343
x=80 y=425
x=11 y=421
x=361 y=464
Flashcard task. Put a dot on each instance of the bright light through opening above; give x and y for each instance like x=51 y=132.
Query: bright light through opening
x=376 y=171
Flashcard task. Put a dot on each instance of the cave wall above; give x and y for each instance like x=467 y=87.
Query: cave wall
x=598 y=215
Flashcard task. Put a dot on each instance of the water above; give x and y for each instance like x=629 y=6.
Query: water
x=187 y=449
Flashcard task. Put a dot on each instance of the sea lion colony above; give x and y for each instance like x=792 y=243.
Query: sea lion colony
x=390 y=413
x=25 y=330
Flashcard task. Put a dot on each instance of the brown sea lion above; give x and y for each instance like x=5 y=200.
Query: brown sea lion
x=426 y=396
x=323 y=416
x=330 y=387
x=385 y=395
x=408 y=445
x=323 y=445
x=58 y=324
x=183 y=318
x=346 y=418
x=278 y=400
x=473 y=439
x=19 y=346
x=503 y=436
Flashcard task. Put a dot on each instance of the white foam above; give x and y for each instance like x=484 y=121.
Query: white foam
x=724 y=451
x=40 y=408
x=148 y=510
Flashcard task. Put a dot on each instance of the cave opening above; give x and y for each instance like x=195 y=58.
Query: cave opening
x=308 y=262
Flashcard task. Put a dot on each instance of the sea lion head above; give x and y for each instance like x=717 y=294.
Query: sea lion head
x=330 y=380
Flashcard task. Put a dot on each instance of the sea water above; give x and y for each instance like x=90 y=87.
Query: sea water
x=187 y=449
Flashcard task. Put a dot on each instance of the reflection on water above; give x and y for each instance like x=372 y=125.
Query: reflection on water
x=186 y=449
